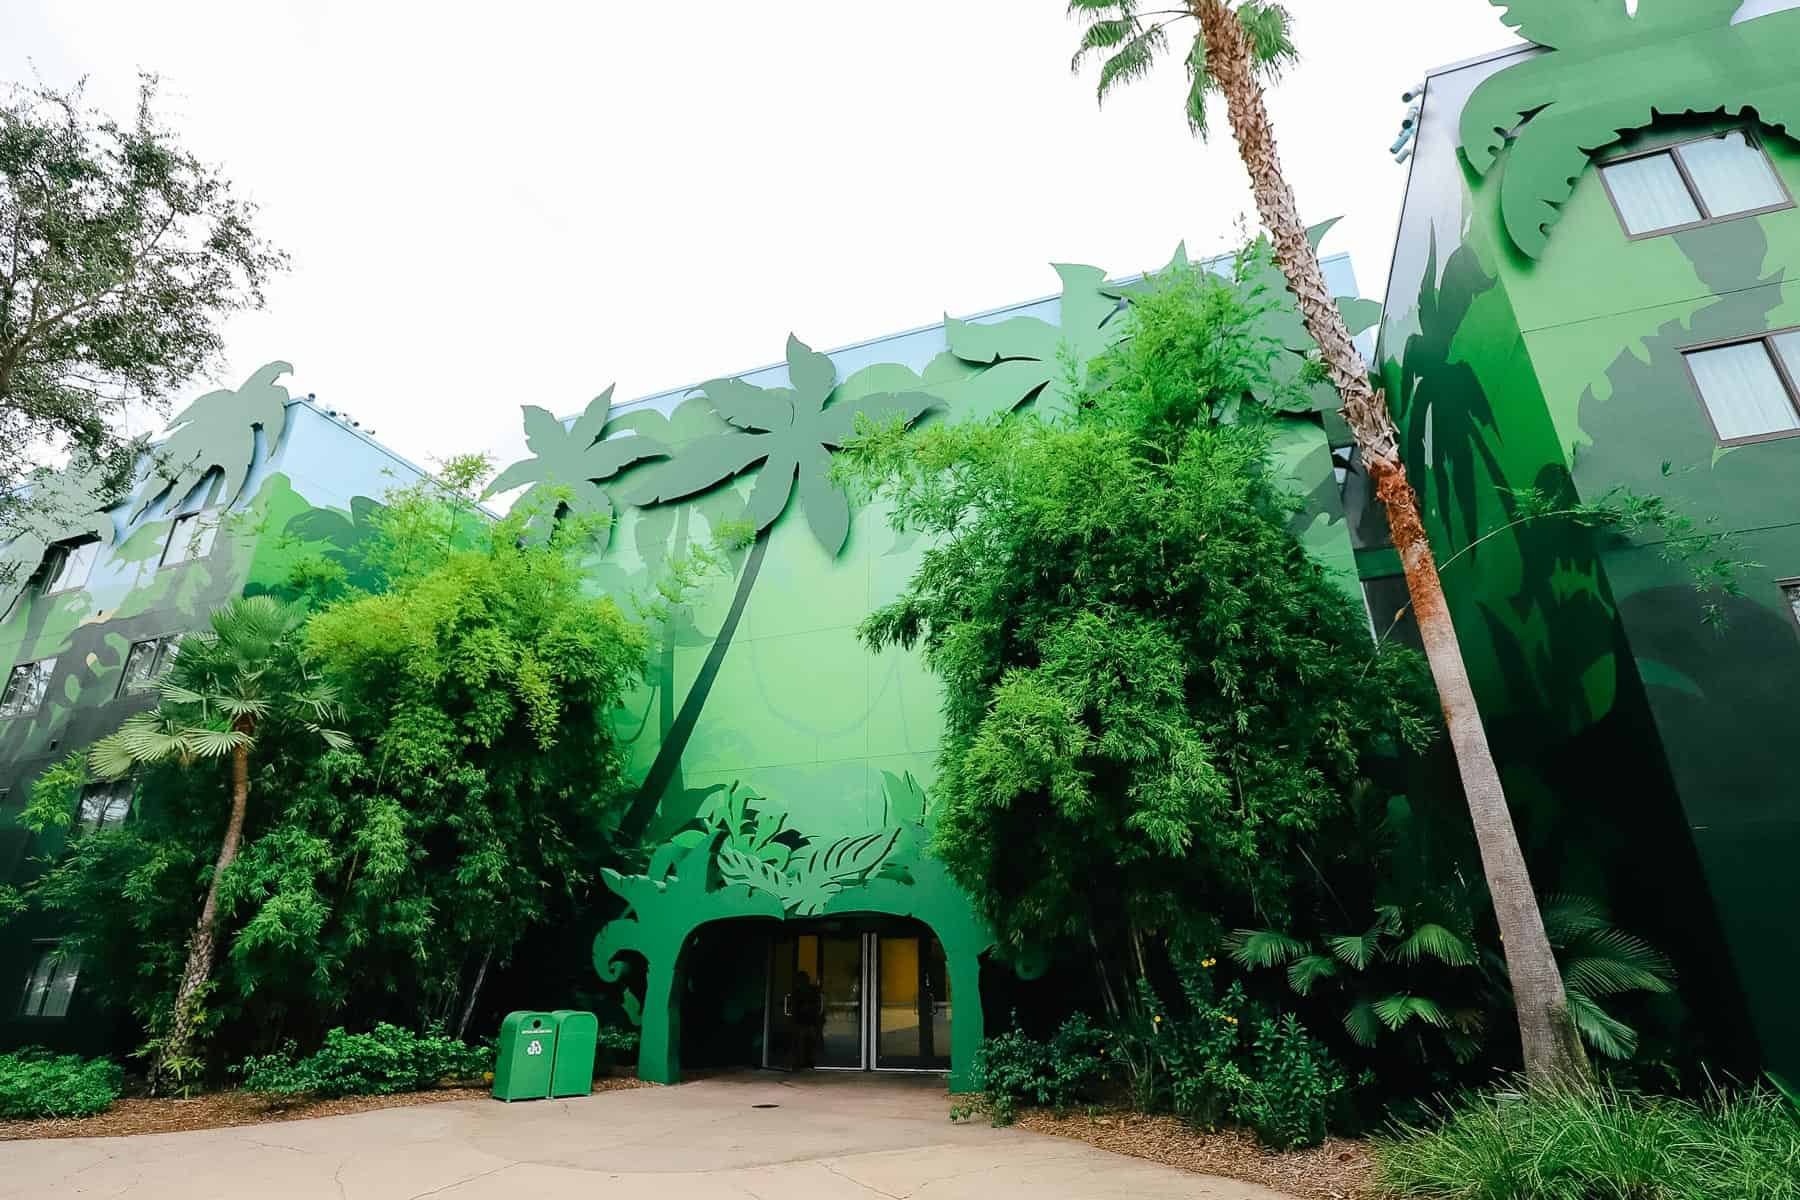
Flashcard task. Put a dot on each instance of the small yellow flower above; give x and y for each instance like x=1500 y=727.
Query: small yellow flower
x=1233 y=1020
x=1157 y=1018
x=1208 y=962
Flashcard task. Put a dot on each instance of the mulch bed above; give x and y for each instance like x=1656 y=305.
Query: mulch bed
x=1336 y=1170
x=221 y=1110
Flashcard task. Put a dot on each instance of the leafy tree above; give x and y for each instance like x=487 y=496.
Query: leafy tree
x=1151 y=694
x=120 y=252
x=487 y=783
x=227 y=688
x=1235 y=48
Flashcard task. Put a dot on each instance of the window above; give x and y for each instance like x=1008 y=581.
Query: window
x=68 y=565
x=1748 y=386
x=105 y=805
x=146 y=661
x=50 y=982
x=1790 y=588
x=1714 y=178
x=191 y=537
x=25 y=687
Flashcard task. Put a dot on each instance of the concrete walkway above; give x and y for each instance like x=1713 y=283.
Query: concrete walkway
x=827 y=1136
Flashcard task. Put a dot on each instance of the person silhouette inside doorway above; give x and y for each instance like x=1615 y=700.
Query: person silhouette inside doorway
x=806 y=1004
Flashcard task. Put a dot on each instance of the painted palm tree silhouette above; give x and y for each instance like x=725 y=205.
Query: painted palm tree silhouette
x=791 y=432
x=1609 y=72
x=60 y=505
x=568 y=466
x=218 y=431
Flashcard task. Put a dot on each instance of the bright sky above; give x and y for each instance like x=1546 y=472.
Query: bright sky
x=490 y=205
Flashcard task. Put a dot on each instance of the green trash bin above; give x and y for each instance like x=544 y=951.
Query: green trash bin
x=577 y=1039
x=526 y=1051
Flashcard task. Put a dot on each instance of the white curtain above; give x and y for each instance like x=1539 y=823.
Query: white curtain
x=1732 y=175
x=1650 y=194
x=1742 y=391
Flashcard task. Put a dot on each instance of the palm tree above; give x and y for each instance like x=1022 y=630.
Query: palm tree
x=228 y=690
x=1235 y=47
x=568 y=465
x=792 y=432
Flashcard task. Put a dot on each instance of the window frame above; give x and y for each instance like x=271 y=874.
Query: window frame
x=1788 y=380
x=49 y=665
x=1751 y=136
x=163 y=646
x=47 y=949
x=197 y=515
x=112 y=786
x=1790 y=593
x=58 y=555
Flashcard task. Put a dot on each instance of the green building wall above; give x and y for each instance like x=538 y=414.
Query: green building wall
x=1646 y=751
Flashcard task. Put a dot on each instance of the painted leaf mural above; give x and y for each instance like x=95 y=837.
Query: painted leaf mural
x=1029 y=359
x=218 y=432
x=1609 y=73
x=62 y=506
x=569 y=464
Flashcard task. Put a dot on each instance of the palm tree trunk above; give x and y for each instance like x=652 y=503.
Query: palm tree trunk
x=203 y=945
x=674 y=743
x=1552 y=1047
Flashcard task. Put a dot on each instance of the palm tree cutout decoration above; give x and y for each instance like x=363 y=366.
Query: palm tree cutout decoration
x=1610 y=72
x=569 y=464
x=792 y=432
x=1025 y=356
x=218 y=432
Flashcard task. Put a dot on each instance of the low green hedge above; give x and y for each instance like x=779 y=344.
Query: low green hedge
x=385 y=1060
x=37 y=1083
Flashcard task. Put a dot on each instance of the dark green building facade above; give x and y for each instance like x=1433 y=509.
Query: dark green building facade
x=1593 y=289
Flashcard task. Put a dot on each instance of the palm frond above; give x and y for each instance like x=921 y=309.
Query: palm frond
x=1361 y=1023
x=1397 y=1010
x=1567 y=917
x=1200 y=86
x=1270 y=27
x=1103 y=34
x=1356 y=951
x=1255 y=948
x=1304 y=973
x=1133 y=60
x=1434 y=941
x=1614 y=961
x=1602 y=1031
x=213 y=743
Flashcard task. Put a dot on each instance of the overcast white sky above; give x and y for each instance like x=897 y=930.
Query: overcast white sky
x=496 y=204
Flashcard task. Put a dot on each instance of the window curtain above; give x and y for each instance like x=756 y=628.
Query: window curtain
x=1650 y=194
x=1742 y=391
x=1732 y=175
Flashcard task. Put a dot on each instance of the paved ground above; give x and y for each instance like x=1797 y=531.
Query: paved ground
x=829 y=1136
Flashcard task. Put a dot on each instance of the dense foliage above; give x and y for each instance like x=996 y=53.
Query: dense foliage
x=385 y=1060
x=123 y=251
x=1573 y=1144
x=1153 y=697
x=34 y=1083
x=381 y=879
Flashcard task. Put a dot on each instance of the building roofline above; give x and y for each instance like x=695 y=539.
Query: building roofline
x=668 y=393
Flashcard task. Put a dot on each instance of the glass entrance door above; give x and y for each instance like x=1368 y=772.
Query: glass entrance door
x=858 y=1001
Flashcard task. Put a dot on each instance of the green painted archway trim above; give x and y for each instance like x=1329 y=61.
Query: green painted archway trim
x=739 y=871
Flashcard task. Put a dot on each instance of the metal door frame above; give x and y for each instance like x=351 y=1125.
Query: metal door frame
x=869 y=1056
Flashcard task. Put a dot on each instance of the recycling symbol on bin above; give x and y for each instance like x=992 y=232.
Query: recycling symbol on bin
x=534 y=1048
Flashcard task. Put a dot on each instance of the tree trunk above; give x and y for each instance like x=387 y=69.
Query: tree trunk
x=462 y=1026
x=179 y=1041
x=1552 y=1047
x=674 y=744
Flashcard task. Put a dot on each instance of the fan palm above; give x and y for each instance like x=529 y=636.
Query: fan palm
x=228 y=689
x=792 y=432
x=569 y=464
x=1235 y=48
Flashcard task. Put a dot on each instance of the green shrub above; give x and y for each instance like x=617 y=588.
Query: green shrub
x=1015 y=1068
x=1573 y=1144
x=1294 y=1083
x=36 y=1083
x=385 y=1060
